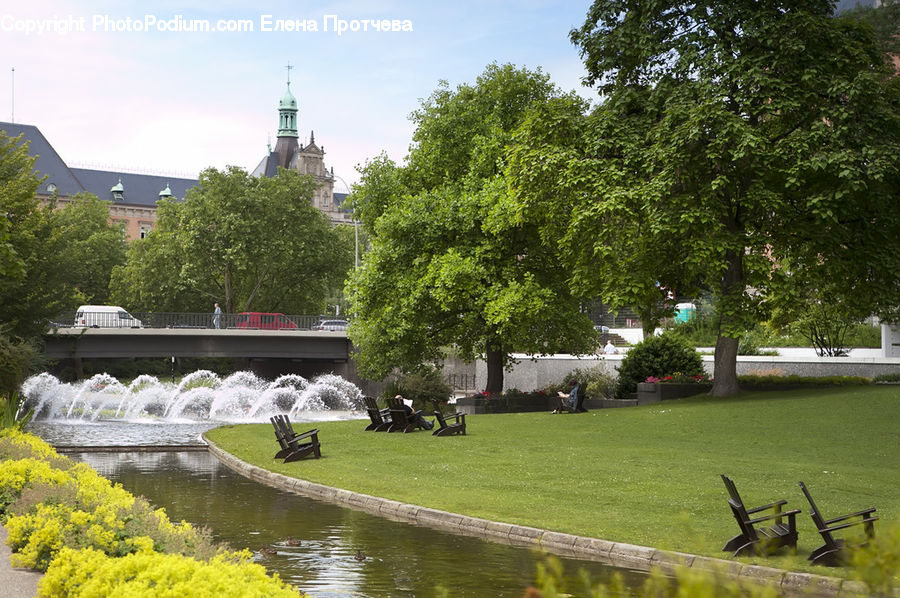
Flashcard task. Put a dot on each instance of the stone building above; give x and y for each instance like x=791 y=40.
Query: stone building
x=305 y=158
x=132 y=197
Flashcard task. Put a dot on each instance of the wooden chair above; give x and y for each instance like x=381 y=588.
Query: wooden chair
x=833 y=553
x=379 y=417
x=759 y=540
x=401 y=421
x=448 y=429
x=293 y=447
x=564 y=406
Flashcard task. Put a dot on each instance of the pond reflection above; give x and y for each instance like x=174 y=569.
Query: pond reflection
x=401 y=560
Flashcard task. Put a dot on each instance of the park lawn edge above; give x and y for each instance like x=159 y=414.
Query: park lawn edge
x=645 y=475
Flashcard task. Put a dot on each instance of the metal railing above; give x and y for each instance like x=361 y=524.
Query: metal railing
x=245 y=321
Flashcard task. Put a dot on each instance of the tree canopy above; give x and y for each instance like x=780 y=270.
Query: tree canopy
x=249 y=243
x=741 y=147
x=447 y=266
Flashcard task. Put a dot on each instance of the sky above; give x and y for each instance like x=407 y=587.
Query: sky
x=128 y=85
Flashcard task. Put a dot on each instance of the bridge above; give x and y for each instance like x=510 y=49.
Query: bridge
x=100 y=343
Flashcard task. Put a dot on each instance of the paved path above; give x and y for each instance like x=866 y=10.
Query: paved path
x=15 y=583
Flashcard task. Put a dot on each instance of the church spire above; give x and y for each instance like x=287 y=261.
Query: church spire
x=287 y=111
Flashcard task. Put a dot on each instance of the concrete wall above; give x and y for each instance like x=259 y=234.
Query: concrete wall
x=530 y=374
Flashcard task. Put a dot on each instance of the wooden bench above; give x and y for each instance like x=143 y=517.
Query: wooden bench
x=379 y=417
x=833 y=553
x=448 y=429
x=759 y=540
x=294 y=446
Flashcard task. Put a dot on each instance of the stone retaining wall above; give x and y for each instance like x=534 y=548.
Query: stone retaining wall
x=617 y=554
x=530 y=374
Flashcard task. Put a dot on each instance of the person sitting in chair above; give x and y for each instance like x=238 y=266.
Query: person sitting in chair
x=572 y=396
x=421 y=421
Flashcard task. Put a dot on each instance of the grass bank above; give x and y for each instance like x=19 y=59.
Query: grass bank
x=643 y=475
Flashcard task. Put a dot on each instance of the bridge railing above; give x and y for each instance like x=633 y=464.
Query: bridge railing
x=255 y=321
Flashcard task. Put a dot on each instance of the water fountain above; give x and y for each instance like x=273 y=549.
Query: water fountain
x=103 y=410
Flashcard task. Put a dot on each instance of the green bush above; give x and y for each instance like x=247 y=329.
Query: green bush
x=888 y=377
x=659 y=356
x=425 y=386
x=750 y=381
x=596 y=383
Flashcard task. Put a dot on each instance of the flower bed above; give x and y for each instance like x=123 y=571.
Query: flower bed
x=63 y=516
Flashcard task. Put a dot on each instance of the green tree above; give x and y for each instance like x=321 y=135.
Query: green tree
x=447 y=265
x=34 y=283
x=735 y=139
x=250 y=243
x=93 y=246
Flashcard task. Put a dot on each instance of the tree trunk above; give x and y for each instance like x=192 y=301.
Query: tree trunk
x=494 y=358
x=725 y=378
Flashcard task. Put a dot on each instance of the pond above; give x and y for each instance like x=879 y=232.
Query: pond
x=401 y=560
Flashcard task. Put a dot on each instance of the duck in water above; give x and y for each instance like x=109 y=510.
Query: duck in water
x=268 y=551
x=359 y=555
x=292 y=541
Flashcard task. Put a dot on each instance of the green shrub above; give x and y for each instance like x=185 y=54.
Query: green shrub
x=888 y=377
x=595 y=382
x=659 y=356
x=751 y=380
x=425 y=386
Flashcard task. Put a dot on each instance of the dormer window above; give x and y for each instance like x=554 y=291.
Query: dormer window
x=118 y=191
x=51 y=188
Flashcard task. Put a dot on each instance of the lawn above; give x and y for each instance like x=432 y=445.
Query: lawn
x=643 y=475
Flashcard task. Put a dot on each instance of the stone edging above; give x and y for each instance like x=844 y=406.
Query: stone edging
x=617 y=554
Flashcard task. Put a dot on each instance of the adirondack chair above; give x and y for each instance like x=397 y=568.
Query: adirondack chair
x=292 y=444
x=759 y=540
x=379 y=417
x=564 y=406
x=401 y=420
x=833 y=553
x=448 y=429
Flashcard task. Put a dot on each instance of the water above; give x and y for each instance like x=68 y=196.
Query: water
x=402 y=560
x=200 y=397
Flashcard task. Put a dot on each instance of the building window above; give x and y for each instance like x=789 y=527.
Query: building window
x=145 y=230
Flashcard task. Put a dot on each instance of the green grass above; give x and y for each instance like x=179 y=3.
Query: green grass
x=643 y=475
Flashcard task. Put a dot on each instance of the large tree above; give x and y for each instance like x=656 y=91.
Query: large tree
x=249 y=243
x=34 y=282
x=94 y=245
x=448 y=266
x=741 y=146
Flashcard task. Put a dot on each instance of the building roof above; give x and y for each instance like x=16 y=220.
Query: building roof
x=137 y=189
x=48 y=162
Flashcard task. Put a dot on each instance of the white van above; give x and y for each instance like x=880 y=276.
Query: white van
x=105 y=316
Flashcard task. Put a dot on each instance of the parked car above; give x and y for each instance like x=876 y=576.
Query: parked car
x=252 y=320
x=601 y=329
x=332 y=325
x=105 y=316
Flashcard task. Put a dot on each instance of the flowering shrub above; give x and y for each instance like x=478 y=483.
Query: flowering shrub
x=657 y=356
x=50 y=503
x=89 y=573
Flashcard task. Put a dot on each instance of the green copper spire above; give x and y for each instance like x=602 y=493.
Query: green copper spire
x=287 y=111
